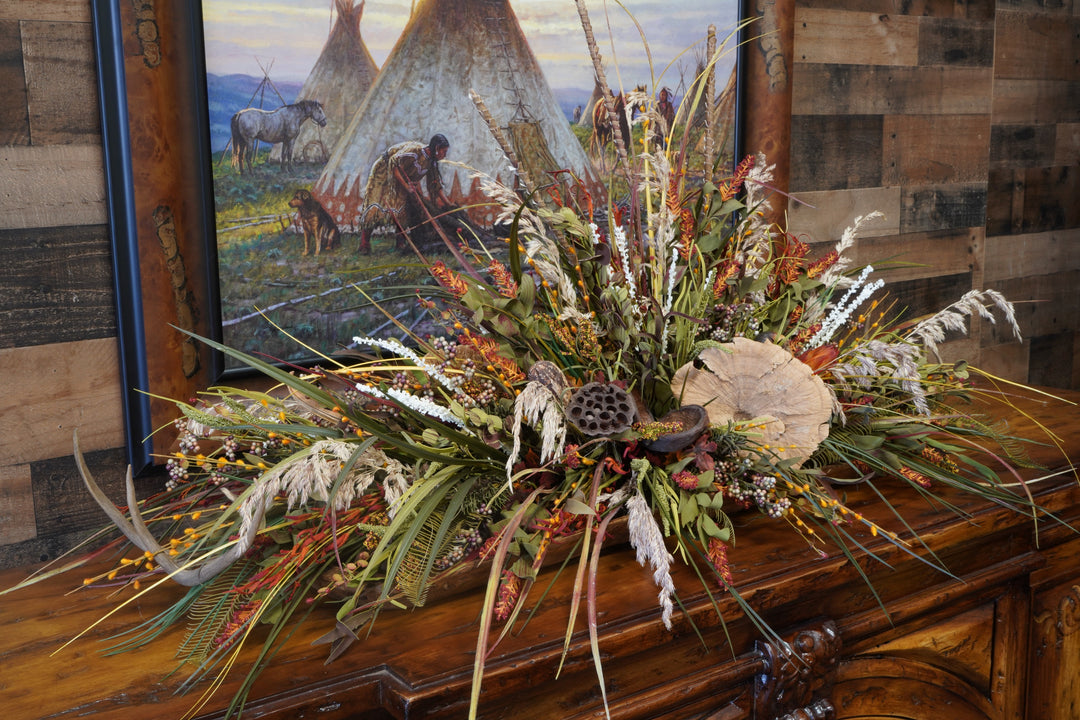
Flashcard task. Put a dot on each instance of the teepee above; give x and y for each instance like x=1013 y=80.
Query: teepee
x=590 y=107
x=448 y=48
x=339 y=80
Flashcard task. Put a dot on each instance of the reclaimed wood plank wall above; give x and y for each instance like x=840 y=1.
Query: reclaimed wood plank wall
x=958 y=119
x=59 y=361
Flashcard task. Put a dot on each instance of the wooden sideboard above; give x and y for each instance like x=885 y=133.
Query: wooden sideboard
x=998 y=638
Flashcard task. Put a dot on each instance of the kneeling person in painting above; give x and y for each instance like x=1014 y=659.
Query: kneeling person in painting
x=405 y=187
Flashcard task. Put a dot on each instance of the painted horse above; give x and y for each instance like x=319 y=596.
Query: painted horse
x=273 y=126
x=603 y=133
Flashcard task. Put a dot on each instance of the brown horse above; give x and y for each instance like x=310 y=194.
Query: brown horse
x=603 y=133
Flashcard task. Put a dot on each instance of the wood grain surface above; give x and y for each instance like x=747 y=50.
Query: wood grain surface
x=955 y=642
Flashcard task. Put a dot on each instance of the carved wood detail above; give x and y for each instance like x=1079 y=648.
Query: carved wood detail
x=1067 y=618
x=798 y=676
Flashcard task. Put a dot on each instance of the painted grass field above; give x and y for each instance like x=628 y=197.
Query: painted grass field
x=265 y=280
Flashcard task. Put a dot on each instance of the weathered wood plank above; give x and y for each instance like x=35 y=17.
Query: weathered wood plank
x=827 y=89
x=1051 y=361
x=972 y=10
x=62 y=503
x=1042 y=6
x=57 y=286
x=61 y=83
x=1007 y=360
x=898 y=258
x=1004 y=200
x=52 y=186
x=1035 y=45
x=1034 y=101
x=1020 y=146
x=963 y=349
x=1016 y=256
x=925 y=296
x=1045 y=304
x=858 y=38
x=940 y=207
x=822 y=216
x=1067 y=144
x=52 y=389
x=922 y=149
x=48 y=10
x=14 y=120
x=1050 y=198
x=837 y=152
x=956 y=42
x=16 y=505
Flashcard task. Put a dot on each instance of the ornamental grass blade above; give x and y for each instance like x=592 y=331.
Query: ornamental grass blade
x=487 y=611
x=594 y=638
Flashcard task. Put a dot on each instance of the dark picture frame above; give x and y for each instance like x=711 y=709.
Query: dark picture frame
x=152 y=103
x=158 y=152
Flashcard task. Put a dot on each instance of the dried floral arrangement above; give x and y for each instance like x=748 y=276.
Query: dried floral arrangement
x=669 y=359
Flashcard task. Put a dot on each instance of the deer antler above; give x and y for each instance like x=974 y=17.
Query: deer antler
x=140 y=536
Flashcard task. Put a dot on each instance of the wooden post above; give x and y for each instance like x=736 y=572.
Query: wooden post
x=768 y=56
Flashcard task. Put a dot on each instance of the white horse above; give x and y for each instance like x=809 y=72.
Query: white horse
x=274 y=126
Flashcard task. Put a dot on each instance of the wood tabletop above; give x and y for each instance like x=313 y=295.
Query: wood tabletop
x=419 y=663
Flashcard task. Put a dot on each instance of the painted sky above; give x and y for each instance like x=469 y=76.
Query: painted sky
x=287 y=36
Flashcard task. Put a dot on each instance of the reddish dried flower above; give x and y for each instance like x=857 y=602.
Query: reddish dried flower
x=731 y=188
x=727 y=270
x=570 y=458
x=685 y=479
x=819 y=266
x=717 y=554
x=915 y=476
x=449 y=279
x=509 y=591
x=821 y=357
x=686 y=228
x=790 y=261
x=504 y=281
x=802 y=337
x=795 y=315
x=507 y=369
x=939 y=458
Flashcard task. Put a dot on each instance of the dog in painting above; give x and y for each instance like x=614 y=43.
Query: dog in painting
x=320 y=229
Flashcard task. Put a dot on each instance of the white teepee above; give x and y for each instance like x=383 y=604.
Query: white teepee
x=339 y=80
x=448 y=48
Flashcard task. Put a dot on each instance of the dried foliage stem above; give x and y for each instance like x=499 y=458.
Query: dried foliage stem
x=710 y=98
x=500 y=138
x=605 y=89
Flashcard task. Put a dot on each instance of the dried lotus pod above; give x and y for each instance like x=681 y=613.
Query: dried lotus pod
x=600 y=409
x=550 y=376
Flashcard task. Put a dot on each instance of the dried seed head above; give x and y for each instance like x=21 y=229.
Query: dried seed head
x=599 y=409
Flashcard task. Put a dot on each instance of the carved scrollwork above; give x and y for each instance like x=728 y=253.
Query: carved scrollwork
x=798 y=676
x=1066 y=620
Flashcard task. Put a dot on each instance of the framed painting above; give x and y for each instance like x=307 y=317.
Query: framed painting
x=282 y=173
x=310 y=101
